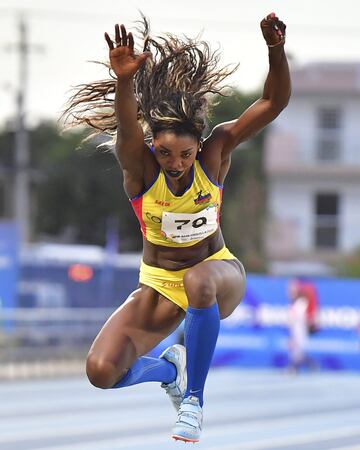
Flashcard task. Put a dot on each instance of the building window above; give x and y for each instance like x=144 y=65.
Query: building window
x=328 y=149
x=326 y=220
x=329 y=118
x=329 y=134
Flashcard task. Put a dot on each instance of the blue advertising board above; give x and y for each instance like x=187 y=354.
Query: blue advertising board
x=8 y=264
x=257 y=334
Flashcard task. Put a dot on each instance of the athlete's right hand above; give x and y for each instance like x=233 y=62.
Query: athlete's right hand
x=124 y=62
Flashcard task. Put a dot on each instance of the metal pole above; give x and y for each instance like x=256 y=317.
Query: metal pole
x=22 y=188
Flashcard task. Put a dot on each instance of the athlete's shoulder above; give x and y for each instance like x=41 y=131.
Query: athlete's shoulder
x=211 y=155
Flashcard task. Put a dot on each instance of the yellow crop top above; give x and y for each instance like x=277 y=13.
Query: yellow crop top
x=179 y=221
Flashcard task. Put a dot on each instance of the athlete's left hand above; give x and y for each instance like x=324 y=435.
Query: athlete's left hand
x=273 y=29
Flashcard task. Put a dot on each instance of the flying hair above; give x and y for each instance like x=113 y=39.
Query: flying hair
x=172 y=88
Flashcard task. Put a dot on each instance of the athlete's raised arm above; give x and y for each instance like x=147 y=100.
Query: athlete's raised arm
x=129 y=145
x=275 y=95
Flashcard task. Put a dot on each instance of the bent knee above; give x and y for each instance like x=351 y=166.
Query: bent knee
x=201 y=290
x=101 y=372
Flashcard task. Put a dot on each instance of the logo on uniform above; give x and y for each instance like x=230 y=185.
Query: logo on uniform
x=201 y=198
x=162 y=203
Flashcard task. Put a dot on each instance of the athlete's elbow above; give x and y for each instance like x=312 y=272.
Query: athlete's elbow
x=283 y=101
x=278 y=103
x=276 y=108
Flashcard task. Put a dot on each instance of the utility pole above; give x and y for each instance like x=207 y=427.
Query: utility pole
x=22 y=152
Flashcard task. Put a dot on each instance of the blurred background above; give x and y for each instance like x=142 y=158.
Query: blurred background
x=70 y=245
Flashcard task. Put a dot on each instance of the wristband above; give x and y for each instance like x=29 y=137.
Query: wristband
x=282 y=41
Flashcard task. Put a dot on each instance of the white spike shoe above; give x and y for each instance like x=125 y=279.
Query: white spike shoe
x=188 y=425
x=176 y=354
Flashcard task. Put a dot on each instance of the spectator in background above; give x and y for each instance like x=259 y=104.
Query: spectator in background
x=302 y=322
x=307 y=289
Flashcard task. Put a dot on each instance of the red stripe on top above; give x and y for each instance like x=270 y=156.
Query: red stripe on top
x=137 y=207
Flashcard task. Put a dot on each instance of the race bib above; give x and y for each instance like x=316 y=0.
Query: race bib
x=183 y=227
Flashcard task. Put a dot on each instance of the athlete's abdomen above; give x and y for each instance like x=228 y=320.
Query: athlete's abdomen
x=176 y=258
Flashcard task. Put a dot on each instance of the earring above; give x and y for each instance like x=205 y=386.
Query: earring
x=201 y=144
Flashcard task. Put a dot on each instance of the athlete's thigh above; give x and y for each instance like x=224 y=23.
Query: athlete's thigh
x=136 y=327
x=229 y=279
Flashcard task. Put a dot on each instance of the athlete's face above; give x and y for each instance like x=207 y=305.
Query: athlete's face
x=175 y=154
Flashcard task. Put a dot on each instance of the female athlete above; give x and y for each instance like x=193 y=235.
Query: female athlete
x=174 y=180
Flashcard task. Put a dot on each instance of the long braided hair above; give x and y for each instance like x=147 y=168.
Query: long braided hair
x=171 y=88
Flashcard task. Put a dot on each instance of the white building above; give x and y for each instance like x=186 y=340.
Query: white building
x=313 y=169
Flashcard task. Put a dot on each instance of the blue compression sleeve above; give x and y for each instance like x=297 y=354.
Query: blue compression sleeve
x=201 y=332
x=148 y=369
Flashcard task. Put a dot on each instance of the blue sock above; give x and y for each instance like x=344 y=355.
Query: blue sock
x=148 y=369
x=201 y=332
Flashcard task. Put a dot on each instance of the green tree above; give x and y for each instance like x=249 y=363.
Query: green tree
x=76 y=188
x=81 y=190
